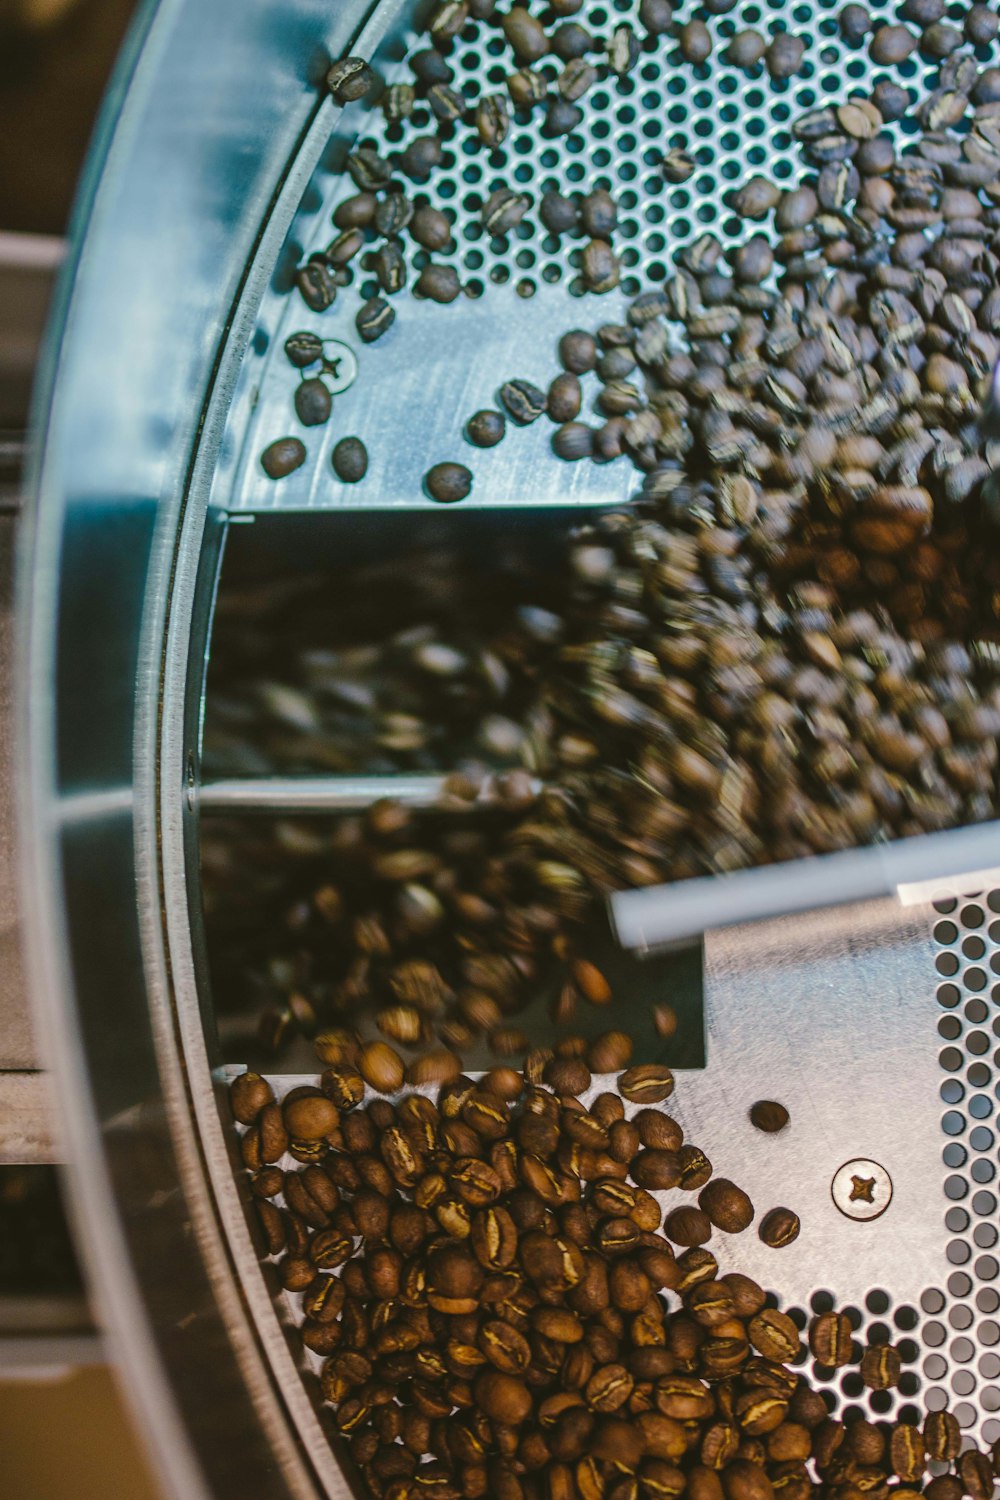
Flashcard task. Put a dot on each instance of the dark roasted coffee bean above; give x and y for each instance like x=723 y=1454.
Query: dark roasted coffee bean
x=316 y=283
x=769 y=1116
x=558 y=214
x=727 y=1205
x=313 y=402
x=504 y=209
x=745 y=49
x=526 y=88
x=374 y=318
x=350 y=464
x=393 y=214
x=574 y=440
x=448 y=482
x=779 y=1227
x=695 y=41
x=600 y=266
x=486 y=428
x=525 y=34
x=648 y=1083
x=429 y=67
x=880 y=1367
x=283 y=457
x=355 y=212
x=578 y=352
x=492 y=120
x=855 y=22
x=784 y=55
x=564 y=398
x=349 y=79
x=303 y=349
x=438 y=283
x=598 y=214
x=344 y=248
x=830 y=1337
x=561 y=116
x=368 y=170
x=389 y=264
x=656 y=16
x=571 y=42
x=421 y=156
x=524 y=401
x=891 y=44
x=980 y=25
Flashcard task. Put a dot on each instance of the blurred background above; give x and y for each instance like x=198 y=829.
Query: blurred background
x=63 y=1428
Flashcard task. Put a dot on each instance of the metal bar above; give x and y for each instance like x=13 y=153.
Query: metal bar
x=915 y=870
x=333 y=794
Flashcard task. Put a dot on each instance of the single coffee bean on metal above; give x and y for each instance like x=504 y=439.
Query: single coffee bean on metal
x=448 y=482
x=486 y=428
x=313 y=402
x=283 y=457
x=350 y=460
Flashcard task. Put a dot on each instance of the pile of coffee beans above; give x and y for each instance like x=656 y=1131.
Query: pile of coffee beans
x=497 y=1303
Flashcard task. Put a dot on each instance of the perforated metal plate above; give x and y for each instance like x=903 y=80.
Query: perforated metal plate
x=437 y=365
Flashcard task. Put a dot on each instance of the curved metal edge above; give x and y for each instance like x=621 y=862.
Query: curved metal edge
x=144 y=1214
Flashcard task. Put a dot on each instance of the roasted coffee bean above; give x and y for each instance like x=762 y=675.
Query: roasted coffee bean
x=598 y=214
x=558 y=214
x=526 y=88
x=564 y=399
x=745 y=49
x=774 y=1334
x=784 y=55
x=422 y=155
x=571 y=42
x=769 y=1116
x=687 y=1226
x=504 y=209
x=492 y=120
x=609 y=1052
x=880 y=1367
x=283 y=457
x=248 y=1095
x=393 y=214
x=830 y=1337
x=350 y=460
x=942 y=1436
x=374 y=318
x=523 y=401
x=448 y=482
x=574 y=440
x=303 y=349
x=855 y=23
x=438 y=283
x=648 y=1083
x=313 y=402
x=576 y=78
x=389 y=265
x=486 y=428
x=779 y=1227
x=906 y=1452
x=316 y=283
x=349 y=79
x=677 y=165
x=695 y=41
x=980 y=25
x=381 y=1067
x=525 y=35
x=578 y=352
x=562 y=116
x=726 y=1205
x=891 y=44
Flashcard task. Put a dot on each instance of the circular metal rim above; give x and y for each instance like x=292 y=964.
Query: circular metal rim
x=58 y=801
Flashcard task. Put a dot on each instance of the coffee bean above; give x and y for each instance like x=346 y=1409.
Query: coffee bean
x=942 y=1436
x=283 y=457
x=891 y=44
x=578 y=352
x=779 y=1227
x=695 y=41
x=571 y=42
x=727 y=1205
x=316 y=284
x=374 y=318
x=677 y=165
x=525 y=35
x=745 y=49
x=907 y=1452
x=830 y=1336
x=313 y=402
x=349 y=79
x=486 y=428
x=389 y=265
x=784 y=55
x=524 y=401
x=562 y=116
x=574 y=440
x=526 y=88
x=563 y=401
x=248 y=1094
x=392 y=214
x=576 y=79
x=981 y=25
x=303 y=349
x=492 y=120
x=438 y=283
x=310 y=1118
x=598 y=215
x=769 y=1116
x=503 y=210
x=350 y=460
x=381 y=1067
x=687 y=1226
x=880 y=1367
x=557 y=213
x=855 y=22
x=448 y=482
x=424 y=152
x=648 y=1083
